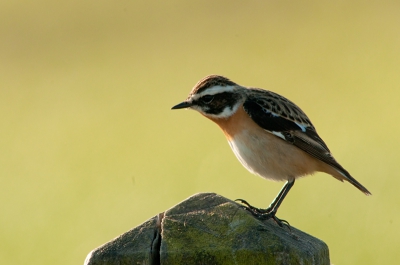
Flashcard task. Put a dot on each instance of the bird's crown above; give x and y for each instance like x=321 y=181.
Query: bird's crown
x=211 y=81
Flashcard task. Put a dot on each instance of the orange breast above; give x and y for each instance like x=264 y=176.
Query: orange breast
x=263 y=153
x=236 y=123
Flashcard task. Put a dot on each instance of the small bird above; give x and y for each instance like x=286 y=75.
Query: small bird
x=270 y=135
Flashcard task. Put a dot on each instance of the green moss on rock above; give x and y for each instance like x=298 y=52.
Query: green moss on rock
x=210 y=229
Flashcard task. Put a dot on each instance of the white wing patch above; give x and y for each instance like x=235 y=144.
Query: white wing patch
x=279 y=134
x=302 y=127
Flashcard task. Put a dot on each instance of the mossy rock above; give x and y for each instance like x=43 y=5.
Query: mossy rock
x=210 y=229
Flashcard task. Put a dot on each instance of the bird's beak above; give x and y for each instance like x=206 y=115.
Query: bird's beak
x=182 y=105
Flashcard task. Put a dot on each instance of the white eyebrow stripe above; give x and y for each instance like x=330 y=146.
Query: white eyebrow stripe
x=214 y=90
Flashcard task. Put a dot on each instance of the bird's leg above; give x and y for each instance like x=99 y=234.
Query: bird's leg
x=282 y=194
x=270 y=212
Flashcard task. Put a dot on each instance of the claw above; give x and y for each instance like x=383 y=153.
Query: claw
x=247 y=204
x=281 y=222
x=253 y=209
x=263 y=214
x=241 y=201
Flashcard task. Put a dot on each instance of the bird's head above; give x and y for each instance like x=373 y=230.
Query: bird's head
x=215 y=97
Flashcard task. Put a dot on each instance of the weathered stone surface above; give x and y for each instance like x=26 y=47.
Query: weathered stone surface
x=132 y=247
x=210 y=229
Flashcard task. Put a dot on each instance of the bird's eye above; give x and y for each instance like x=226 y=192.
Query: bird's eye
x=207 y=99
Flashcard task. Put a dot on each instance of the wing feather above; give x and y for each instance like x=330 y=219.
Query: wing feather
x=286 y=127
x=284 y=119
x=277 y=114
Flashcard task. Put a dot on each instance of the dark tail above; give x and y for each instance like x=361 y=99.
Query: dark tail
x=353 y=181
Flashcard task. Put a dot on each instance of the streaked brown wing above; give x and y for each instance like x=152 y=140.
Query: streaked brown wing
x=277 y=114
x=293 y=126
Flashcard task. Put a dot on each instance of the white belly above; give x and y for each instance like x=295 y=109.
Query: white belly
x=270 y=157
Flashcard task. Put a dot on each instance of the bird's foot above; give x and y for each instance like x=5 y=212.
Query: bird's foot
x=263 y=214
x=255 y=211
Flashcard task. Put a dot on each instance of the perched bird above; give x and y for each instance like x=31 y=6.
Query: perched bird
x=269 y=134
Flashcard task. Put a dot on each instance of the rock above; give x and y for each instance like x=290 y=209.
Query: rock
x=132 y=247
x=210 y=229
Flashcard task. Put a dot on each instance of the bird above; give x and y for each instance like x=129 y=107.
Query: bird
x=269 y=134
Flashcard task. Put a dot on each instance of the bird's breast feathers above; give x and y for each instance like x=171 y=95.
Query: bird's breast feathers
x=263 y=153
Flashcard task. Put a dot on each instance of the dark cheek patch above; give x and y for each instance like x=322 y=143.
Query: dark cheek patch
x=221 y=101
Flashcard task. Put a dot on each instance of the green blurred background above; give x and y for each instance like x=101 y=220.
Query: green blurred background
x=90 y=148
